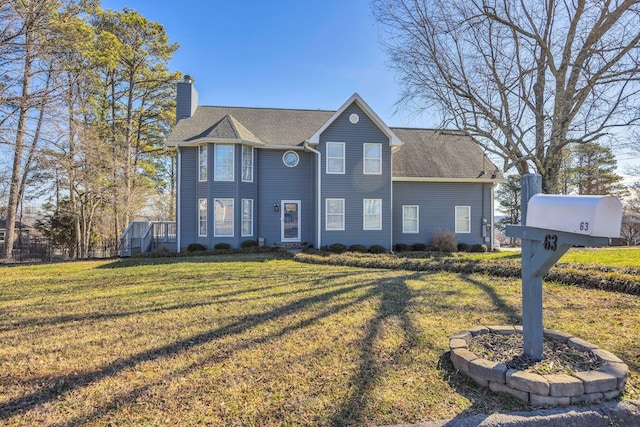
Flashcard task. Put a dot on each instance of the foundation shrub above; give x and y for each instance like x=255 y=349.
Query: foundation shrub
x=196 y=247
x=337 y=248
x=378 y=249
x=444 y=241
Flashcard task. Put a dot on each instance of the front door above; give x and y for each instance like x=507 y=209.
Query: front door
x=290 y=217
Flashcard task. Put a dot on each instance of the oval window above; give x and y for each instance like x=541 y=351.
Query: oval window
x=291 y=159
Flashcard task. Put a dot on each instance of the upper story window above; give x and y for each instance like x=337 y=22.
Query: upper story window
x=463 y=219
x=372 y=213
x=247 y=163
x=334 y=216
x=335 y=157
x=410 y=223
x=372 y=159
x=202 y=217
x=224 y=162
x=202 y=163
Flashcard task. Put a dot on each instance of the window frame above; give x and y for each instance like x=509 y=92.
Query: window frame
x=342 y=158
x=244 y=221
x=216 y=176
x=327 y=214
x=466 y=218
x=215 y=219
x=202 y=219
x=416 y=219
x=203 y=169
x=365 y=158
x=244 y=165
x=365 y=214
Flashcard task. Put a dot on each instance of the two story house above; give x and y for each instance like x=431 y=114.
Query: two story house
x=311 y=177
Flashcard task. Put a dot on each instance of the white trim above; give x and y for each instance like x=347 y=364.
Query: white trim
x=242 y=218
x=326 y=214
x=215 y=163
x=364 y=215
x=282 y=212
x=207 y=140
x=365 y=158
x=242 y=163
x=178 y=193
x=200 y=218
x=344 y=156
x=433 y=179
x=393 y=139
x=233 y=214
x=404 y=231
x=455 y=219
x=206 y=162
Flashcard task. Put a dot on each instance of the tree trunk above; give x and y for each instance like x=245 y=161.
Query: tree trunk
x=16 y=174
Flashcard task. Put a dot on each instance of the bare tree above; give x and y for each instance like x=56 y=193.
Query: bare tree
x=524 y=79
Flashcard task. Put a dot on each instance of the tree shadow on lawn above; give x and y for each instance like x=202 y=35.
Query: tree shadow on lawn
x=65 y=384
x=256 y=257
x=512 y=315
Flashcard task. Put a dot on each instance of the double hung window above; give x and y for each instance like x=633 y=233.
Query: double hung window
x=463 y=219
x=202 y=163
x=223 y=212
x=410 y=219
x=335 y=157
x=372 y=159
x=224 y=162
x=372 y=214
x=334 y=214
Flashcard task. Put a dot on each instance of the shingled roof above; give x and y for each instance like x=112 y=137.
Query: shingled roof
x=425 y=153
x=436 y=153
x=271 y=126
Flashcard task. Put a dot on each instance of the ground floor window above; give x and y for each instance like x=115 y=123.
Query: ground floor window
x=372 y=213
x=410 y=219
x=202 y=217
x=463 y=219
x=223 y=212
x=247 y=217
x=334 y=214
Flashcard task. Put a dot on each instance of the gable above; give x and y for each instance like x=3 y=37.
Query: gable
x=357 y=99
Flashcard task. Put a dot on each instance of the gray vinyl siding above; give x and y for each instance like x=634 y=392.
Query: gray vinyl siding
x=354 y=186
x=437 y=202
x=278 y=182
x=192 y=190
x=188 y=197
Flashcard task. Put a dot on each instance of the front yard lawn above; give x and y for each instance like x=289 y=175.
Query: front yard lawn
x=251 y=340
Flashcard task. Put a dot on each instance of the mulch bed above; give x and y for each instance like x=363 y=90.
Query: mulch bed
x=557 y=357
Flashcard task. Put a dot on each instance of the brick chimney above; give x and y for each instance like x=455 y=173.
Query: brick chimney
x=186 y=98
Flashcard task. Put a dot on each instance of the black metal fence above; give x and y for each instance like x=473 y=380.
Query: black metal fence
x=39 y=249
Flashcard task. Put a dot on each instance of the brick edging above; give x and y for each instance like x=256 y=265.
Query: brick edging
x=605 y=383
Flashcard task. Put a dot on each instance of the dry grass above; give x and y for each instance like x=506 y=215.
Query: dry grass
x=255 y=341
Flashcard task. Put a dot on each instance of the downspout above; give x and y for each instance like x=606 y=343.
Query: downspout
x=318 y=192
x=178 y=192
x=493 y=220
x=392 y=201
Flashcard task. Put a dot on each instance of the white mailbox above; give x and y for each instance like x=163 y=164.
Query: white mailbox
x=599 y=216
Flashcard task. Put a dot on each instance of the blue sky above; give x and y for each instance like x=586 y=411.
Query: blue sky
x=280 y=53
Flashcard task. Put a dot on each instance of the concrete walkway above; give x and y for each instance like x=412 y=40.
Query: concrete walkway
x=618 y=414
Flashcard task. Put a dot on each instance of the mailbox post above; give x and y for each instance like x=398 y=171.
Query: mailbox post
x=552 y=225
